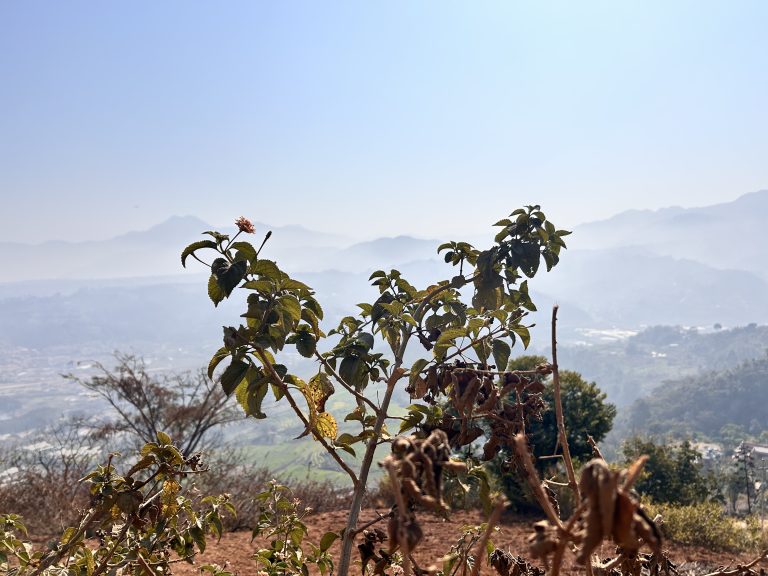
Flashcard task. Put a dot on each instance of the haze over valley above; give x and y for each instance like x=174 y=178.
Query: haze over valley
x=701 y=272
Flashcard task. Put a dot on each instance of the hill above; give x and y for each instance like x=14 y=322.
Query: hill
x=712 y=405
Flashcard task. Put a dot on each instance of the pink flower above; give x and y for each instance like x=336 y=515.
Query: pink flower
x=245 y=225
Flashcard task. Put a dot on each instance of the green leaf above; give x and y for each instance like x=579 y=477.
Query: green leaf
x=290 y=305
x=251 y=391
x=501 y=352
x=266 y=268
x=216 y=359
x=417 y=367
x=163 y=438
x=189 y=250
x=351 y=371
x=313 y=305
x=263 y=286
x=228 y=276
x=525 y=335
x=291 y=284
x=450 y=335
x=377 y=274
x=215 y=293
x=198 y=536
x=233 y=375
x=305 y=344
x=327 y=539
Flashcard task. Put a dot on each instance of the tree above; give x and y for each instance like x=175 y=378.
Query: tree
x=586 y=413
x=585 y=410
x=672 y=474
x=188 y=407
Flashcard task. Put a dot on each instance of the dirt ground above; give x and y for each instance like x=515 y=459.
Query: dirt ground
x=235 y=549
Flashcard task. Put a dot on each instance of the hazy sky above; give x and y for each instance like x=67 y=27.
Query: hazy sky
x=374 y=118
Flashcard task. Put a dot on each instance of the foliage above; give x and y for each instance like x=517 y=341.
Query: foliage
x=706 y=524
x=280 y=518
x=673 y=473
x=188 y=407
x=586 y=413
x=707 y=403
x=40 y=480
x=140 y=517
x=631 y=368
x=463 y=338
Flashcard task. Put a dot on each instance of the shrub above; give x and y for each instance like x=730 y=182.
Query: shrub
x=706 y=524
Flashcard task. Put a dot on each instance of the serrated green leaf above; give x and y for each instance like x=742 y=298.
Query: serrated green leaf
x=314 y=305
x=351 y=371
x=216 y=359
x=266 y=268
x=245 y=250
x=305 y=344
x=233 y=375
x=228 y=275
x=189 y=250
x=251 y=391
x=448 y=336
x=291 y=284
x=290 y=305
x=264 y=286
x=377 y=274
x=215 y=293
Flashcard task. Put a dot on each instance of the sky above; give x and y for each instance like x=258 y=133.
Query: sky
x=373 y=118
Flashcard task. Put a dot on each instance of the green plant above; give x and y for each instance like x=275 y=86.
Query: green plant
x=672 y=474
x=586 y=414
x=466 y=341
x=280 y=518
x=706 y=524
x=139 y=517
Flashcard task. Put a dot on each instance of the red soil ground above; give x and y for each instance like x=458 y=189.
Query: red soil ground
x=235 y=549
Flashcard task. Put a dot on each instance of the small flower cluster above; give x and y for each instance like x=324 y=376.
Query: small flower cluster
x=245 y=225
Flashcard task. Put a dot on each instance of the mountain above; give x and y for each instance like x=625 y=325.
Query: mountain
x=631 y=287
x=726 y=236
x=152 y=252
x=696 y=405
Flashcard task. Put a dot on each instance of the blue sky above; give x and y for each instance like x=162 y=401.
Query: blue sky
x=374 y=118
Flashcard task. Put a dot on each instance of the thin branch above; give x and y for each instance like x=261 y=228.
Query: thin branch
x=565 y=537
x=521 y=449
x=402 y=533
x=280 y=384
x=741 y=569
x=374 y=521
x=595 y=450
x=492 y=521
x=340 y=380
x=120 y=537
x=559 y=412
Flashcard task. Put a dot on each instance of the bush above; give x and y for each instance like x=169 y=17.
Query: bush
x=706 y=524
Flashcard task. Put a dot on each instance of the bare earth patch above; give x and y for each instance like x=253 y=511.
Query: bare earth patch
x=235 y=549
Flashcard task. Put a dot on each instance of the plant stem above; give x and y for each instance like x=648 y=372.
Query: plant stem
x=280 y=384
x=493 y=520
x=348 y=538
x=559 y=413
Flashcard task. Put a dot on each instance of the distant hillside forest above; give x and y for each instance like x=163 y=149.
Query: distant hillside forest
x=635 y=367
x=726 y=406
